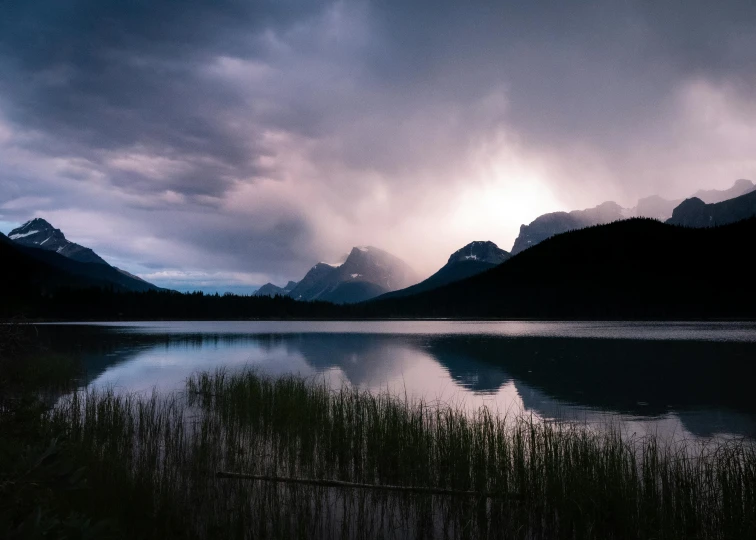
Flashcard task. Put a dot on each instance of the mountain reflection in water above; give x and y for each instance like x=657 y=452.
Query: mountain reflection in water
x=697 y=387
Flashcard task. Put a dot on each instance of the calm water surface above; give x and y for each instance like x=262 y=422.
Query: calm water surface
x=680 y=379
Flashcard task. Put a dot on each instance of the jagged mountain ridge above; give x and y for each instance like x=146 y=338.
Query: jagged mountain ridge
x=696 y=213
x=655 y=207
x=366 y=273
x=474 y=258
x=39 y=233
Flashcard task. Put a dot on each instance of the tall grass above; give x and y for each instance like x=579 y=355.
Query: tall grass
x=154 y=461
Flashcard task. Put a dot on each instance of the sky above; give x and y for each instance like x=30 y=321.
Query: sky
x=222 y=144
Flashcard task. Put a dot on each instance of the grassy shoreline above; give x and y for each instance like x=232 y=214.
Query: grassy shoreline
x=152 y=463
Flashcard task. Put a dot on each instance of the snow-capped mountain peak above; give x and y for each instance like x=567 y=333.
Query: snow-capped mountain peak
x=39 y=233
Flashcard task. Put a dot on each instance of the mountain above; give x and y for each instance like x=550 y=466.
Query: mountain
x=28 y=269
x=272 y=290
x=474 y=258
x=548 y=225
x=711 y=196
x=39 y=233
x=367 y=272
x=696 y=213
x=654 y=207
x=38 y=238
x=631 y=269
x=314 y=283
x=658 y=208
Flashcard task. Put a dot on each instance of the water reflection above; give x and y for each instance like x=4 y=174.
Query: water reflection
x=698 y=382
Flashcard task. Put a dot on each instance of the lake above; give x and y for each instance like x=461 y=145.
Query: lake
x=685 y=380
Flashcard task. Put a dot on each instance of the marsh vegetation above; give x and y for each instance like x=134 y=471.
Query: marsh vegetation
x=152 y=464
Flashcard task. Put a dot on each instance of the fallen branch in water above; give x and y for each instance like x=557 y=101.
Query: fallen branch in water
x=342 y=484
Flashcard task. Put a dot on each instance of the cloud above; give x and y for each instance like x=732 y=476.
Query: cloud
x=214 y=140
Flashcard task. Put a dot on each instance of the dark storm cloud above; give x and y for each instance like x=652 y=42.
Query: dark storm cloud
x=103 y=75
x=263 y=135
x=572 y=68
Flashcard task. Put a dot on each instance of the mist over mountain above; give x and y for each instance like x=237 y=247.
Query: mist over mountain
x=654 y=207
x=548 y=225
x=367 y=272
x=696 y=213
x=711 y=196
x=474 y=258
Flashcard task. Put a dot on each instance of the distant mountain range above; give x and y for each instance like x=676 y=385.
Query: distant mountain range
x=655 y=207
x=474 y=258
x=39 y=255
x=363 y=278
x=627 y=268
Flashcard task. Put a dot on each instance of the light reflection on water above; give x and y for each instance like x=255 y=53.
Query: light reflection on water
x=690 y=380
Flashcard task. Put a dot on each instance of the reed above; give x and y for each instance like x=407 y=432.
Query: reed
x=153 y=464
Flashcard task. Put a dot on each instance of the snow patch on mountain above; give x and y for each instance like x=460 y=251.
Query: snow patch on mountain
x=22 y=235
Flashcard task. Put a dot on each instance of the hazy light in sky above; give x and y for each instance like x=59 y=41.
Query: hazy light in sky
x=220 y=144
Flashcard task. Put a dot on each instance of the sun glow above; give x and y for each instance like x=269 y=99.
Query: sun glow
x=507 y=191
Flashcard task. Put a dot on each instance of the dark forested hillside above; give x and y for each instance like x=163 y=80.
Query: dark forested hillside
x=629 y=269
x=27 y=268
x=102 y=304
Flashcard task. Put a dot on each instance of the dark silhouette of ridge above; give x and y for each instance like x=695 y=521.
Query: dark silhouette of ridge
x=632 y=269
x=474 y=258
x=33 y=268
x=638 y=268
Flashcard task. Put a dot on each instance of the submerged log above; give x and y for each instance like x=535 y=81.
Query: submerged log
x=355 y=485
